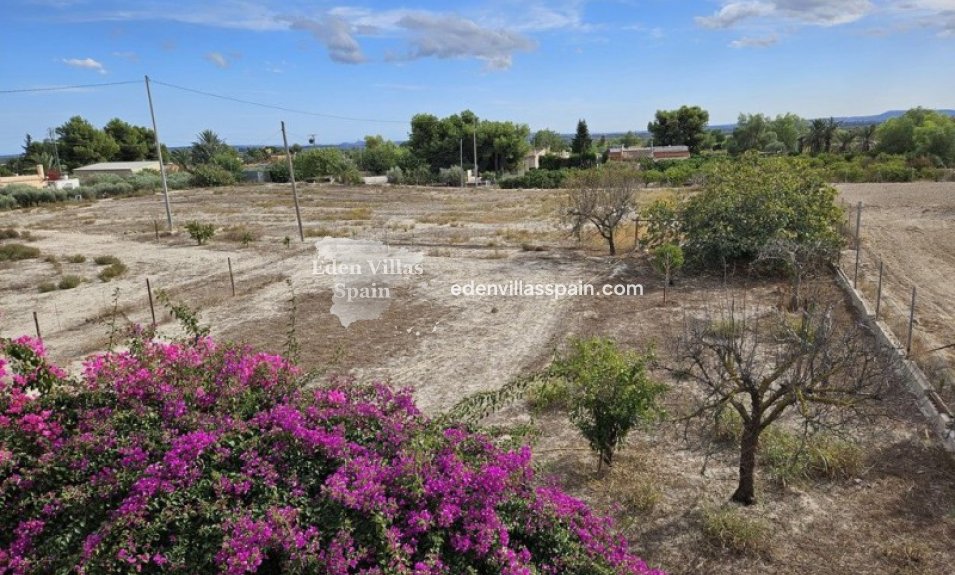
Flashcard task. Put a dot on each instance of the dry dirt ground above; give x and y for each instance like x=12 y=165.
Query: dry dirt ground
x=896 y=516
x=911 y=228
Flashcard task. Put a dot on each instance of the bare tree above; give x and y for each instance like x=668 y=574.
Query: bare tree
x=801 y=261
x=805 y=366
x=602 y=197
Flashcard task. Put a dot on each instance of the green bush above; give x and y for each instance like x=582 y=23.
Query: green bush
x=111 y=189
x=106 y=260
x=46 y=287
x=76 y=258
x=7 y=202
x=210 y=176
x=69 y=282
x=199 y=231
x=278 y=172
x=9 y=234
x=536 y=179
x=663 y=223
x=179 y=180
x=749 y=202
x=789 y=457
x=731 y=530
x=453 y=177
x=16 y=252
x=146 y=182
x=549 y=395
x=610 y=392
x=112 y=271
x=395 y=176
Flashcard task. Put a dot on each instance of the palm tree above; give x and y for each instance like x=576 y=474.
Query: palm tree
x=845 y=138
x=867 y=137
x=831 y=125
x=207 y=145
x=816 y=137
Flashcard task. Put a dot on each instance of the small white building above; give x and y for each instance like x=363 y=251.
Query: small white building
x=116 y=168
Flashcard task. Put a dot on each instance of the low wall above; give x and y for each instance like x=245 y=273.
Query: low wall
x=29 y=180
x=927 y=399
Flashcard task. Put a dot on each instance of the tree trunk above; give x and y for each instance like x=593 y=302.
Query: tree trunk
x=610 y=242
x=749 y=445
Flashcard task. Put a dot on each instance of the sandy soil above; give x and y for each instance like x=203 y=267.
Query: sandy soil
x=898 y=516
x=911 y=227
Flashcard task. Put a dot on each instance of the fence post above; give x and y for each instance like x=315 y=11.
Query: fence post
x=156 y=226
x=878 y=295
x=855 y=279
x=231 y=277
x=152 y=308
x=908 y=345
x=36 y=323
x=636 y=233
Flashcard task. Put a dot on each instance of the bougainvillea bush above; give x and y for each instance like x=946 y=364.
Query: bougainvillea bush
x=200 y=458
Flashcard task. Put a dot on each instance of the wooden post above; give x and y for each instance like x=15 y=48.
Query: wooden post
x=855 y=279
x=908 y=345
x=231 y=277
x=156 y=226
x=36 y=323
x=878 y=294
x=152 y=308
x=291 y=175
x=636 y=233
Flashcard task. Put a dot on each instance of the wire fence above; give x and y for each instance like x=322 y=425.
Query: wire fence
x=893 y=299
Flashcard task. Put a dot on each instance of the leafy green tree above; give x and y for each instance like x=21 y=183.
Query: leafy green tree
x=610 y=392
x=320 y=162
x=788 y=128
x=582 y=142
x=752 y=132
x=380 y=155
x=135 y=142
x=683 y=127
x=549 y=140
x=630 y=140
x=81 y=143
x=746 y=203
x=919 y=133
x=667 y=260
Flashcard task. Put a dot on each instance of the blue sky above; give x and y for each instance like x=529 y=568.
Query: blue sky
x=367 y=67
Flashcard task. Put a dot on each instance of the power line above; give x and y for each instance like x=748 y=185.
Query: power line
x=73 y=87
x=280 y=108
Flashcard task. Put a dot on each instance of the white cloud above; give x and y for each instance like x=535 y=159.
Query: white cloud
x=451 y=36
x=85 y=63
x=218 y=59
x=757 y=42
x=735 y=12
x=815 y=12
x=336 y=34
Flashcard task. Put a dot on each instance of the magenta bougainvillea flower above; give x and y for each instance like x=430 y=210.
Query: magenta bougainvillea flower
x=200 y=458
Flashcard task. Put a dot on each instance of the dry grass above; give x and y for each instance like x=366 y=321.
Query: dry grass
x=733 y=529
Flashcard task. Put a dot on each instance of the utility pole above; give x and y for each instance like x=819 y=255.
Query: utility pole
x=56 y=152
x=291 y=173
x=162 y=165
x=475 y=157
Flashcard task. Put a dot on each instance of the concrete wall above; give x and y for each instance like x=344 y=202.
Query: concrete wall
x=928 y=401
